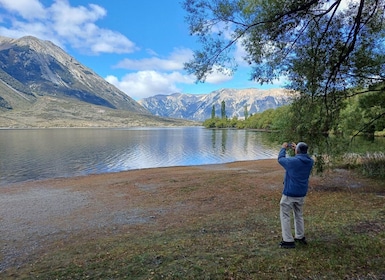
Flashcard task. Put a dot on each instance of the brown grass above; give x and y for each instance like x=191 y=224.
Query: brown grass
x=198 y=222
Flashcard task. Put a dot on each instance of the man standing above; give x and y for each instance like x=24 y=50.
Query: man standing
x=295 y=188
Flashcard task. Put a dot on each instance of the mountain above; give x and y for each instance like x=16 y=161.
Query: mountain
x=199 y=107
x=42 y=86
x=32 y=67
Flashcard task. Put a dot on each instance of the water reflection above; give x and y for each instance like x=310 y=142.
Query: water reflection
x=47 y=153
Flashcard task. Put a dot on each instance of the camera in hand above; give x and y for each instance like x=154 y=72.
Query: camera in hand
x=289 y=145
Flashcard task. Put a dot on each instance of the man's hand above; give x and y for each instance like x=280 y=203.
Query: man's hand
x=286 y=145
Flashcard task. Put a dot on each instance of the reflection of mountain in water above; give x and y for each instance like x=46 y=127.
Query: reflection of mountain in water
x=37 y=154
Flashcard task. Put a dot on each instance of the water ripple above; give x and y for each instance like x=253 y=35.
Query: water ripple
x=47 y=153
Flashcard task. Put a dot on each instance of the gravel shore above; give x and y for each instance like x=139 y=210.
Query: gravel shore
x=29 y=218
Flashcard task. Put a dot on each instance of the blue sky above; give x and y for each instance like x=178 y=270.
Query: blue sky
x=137 y=45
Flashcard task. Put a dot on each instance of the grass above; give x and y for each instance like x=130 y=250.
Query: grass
x=371 y=165
x=235 y=238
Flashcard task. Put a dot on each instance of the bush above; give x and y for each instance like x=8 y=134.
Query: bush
x=210 y=123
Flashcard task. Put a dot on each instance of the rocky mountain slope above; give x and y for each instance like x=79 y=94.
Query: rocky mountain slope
x=32 y=67
x=49 y=111
x=43 y=86
x=199 y=107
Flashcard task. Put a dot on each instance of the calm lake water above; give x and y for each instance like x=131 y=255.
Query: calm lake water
x=33 y=154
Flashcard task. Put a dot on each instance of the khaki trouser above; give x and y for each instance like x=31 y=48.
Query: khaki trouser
x=288 y=205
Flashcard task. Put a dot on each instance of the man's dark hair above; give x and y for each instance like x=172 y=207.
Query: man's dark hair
x=302 y=148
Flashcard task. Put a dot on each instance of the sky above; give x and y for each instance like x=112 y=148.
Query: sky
x=140 y=46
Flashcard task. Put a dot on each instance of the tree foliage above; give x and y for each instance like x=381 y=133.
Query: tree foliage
x=223 y=109
x=317 y=44
x=329 y=50
x=246 y=112
x=286 y=123
x=364 y=115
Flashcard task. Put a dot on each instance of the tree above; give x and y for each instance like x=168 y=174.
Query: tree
x=213 y=112
x=210 y=123
x=328 y=51
x=246 y=112
x=223 y=109
x=278 y=34
x=371 y=109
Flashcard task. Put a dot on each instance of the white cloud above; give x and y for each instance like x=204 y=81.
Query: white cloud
x=159 y=75
x=148 y=83
x=63 y=24
x=217 y=77
x=143 y=84
x=68 y=16
x=28 y=9
x=345 y=4
x=174 y=62
x=37 y=29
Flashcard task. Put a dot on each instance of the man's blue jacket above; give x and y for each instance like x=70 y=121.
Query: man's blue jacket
x=298 y=170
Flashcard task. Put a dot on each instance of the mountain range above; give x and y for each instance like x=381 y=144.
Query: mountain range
x=199 y=107
x=42 y=86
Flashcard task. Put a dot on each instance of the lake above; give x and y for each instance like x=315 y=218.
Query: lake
x=32 y=154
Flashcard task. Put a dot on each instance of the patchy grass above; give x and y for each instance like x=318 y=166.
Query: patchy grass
x=224 y=224
x=371 y=165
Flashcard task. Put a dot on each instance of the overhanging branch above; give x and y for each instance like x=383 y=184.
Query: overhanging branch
x=367 y=124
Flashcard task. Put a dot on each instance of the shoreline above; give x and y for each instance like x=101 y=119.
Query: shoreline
x=209 y=165
x=51 y=226
x=117 y=224
x=38 y=214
